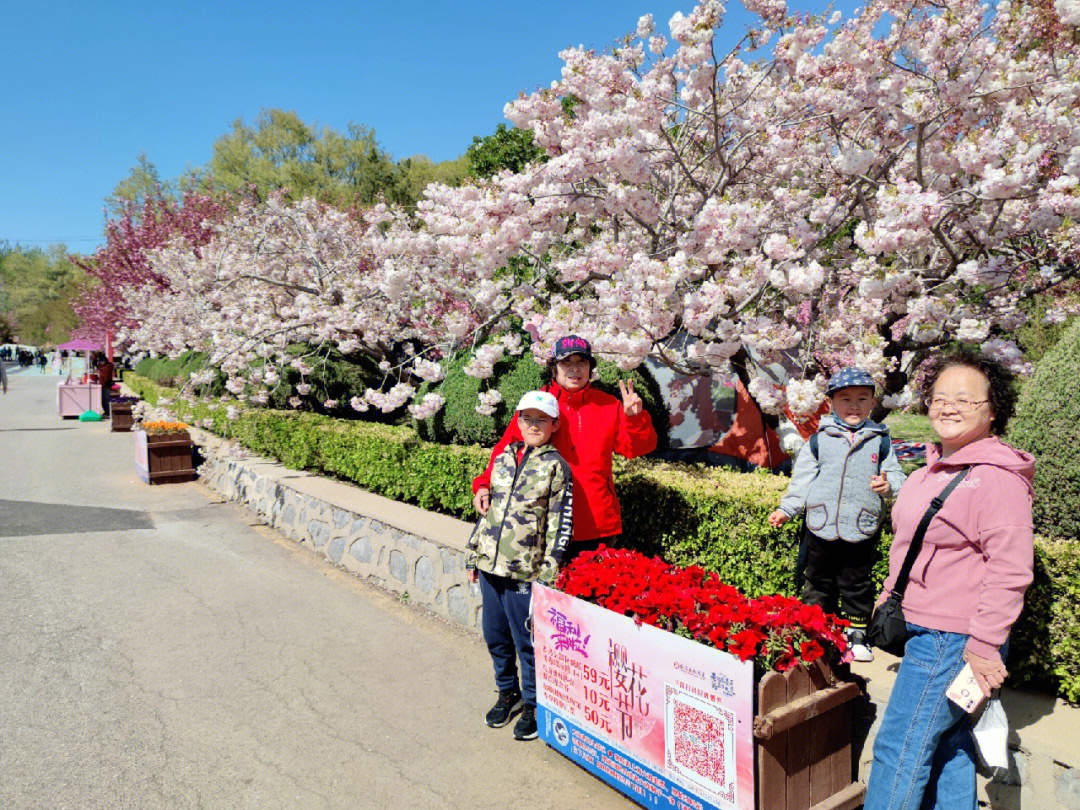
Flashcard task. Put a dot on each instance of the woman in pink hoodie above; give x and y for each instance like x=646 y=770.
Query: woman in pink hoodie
x=966 y=587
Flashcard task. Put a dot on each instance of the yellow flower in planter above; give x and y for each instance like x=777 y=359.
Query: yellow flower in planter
x=155 y=428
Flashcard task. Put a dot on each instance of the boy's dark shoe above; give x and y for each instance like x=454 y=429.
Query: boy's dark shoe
x=525 y=727
x=505 y=707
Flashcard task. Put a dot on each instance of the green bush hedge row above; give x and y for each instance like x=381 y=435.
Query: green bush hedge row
x=1047 y=423
x=172 y=372
x=715 y=518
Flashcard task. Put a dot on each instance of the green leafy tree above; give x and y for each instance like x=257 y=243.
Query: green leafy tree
x=141 y=182
x=507 y=148
x=280 y=151
x=416 y=172
x=36 y=288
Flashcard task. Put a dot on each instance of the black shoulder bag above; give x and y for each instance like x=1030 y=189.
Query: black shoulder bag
x=888 y=629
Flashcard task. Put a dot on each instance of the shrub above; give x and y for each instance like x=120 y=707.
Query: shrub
x=174 y=372
x=713 y=517
x=1045 y=642
x=334 y=376
x=1047 y=423
x=459 y=423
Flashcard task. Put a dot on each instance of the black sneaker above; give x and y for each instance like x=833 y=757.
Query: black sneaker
x=525 y=727
x=504 y=708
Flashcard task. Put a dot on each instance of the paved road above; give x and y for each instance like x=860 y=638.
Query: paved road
x=159 y=651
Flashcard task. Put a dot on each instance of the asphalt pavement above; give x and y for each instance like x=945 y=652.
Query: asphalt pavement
x=158 y=649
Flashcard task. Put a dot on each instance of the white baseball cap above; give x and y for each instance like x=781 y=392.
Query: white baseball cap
x=542 y=401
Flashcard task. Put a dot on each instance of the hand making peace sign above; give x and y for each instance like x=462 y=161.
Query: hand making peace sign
x=631 y=402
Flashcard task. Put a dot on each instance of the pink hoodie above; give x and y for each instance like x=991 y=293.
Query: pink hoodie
x=977 y=557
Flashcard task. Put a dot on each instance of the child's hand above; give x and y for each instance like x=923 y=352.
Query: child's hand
x=473 y=575
x=880 y=484
x=778 y=518
x=482 y=500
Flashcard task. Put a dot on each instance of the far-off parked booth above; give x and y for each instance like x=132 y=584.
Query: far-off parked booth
x=76 y=397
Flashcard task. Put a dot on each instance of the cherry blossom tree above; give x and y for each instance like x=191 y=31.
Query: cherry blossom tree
x=123 y=262
x=830 y=191
x=820 y=192
x=276 y=276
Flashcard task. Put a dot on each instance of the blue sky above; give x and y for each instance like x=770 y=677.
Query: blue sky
x=85 y=87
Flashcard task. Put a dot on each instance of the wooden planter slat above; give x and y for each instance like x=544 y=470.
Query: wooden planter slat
x=803 y=708
x=798 y=774
x=803 y=742
x=847 y=799
x=772 y=753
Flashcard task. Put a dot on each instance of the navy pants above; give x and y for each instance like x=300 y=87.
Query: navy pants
x=506 y=609
x=837 y=568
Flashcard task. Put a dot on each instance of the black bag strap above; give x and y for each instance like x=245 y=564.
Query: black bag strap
x=920 y=533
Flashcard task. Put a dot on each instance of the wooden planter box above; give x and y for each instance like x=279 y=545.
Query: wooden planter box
x=802 y=731
x=121 y=417
x=164 y=458
x=662 y=718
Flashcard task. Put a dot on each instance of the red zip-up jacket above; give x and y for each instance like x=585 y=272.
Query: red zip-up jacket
x=592 y=426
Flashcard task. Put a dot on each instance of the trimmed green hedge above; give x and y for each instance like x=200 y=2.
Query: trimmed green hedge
x=1046 y=641
x=1047 y=423
x=715 y=518
x=174 y=372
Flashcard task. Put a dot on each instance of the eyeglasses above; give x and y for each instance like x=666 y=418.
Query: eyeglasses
x=535 y=421
x=960 y=404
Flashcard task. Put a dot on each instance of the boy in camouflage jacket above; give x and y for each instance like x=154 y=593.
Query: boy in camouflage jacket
x=521 y=539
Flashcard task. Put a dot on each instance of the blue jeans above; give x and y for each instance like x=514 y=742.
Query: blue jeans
x=924 y=755
x=506 y=609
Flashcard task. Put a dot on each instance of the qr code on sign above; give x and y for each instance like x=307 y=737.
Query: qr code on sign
x=700 y=742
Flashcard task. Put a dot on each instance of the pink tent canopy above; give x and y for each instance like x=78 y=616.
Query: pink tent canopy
x=80 y=345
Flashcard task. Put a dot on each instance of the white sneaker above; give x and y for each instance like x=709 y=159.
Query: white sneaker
x=860 y=650
x=862 y=653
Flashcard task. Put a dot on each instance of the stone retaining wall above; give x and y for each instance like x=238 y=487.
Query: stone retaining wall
x=390 y=544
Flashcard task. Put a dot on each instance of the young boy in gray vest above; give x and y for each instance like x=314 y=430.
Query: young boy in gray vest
x=840 y=480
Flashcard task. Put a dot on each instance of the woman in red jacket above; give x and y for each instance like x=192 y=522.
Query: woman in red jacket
x=592 y=426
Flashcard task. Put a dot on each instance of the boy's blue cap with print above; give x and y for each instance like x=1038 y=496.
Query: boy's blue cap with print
x=849 y=378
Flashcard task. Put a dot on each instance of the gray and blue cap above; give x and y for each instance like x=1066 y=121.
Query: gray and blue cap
x=848 y=378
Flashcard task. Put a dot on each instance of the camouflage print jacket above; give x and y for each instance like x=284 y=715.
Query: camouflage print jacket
x=530 y=521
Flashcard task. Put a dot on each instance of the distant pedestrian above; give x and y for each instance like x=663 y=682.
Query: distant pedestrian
x=521 y=538
x=3 y=377
x=105 y=370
